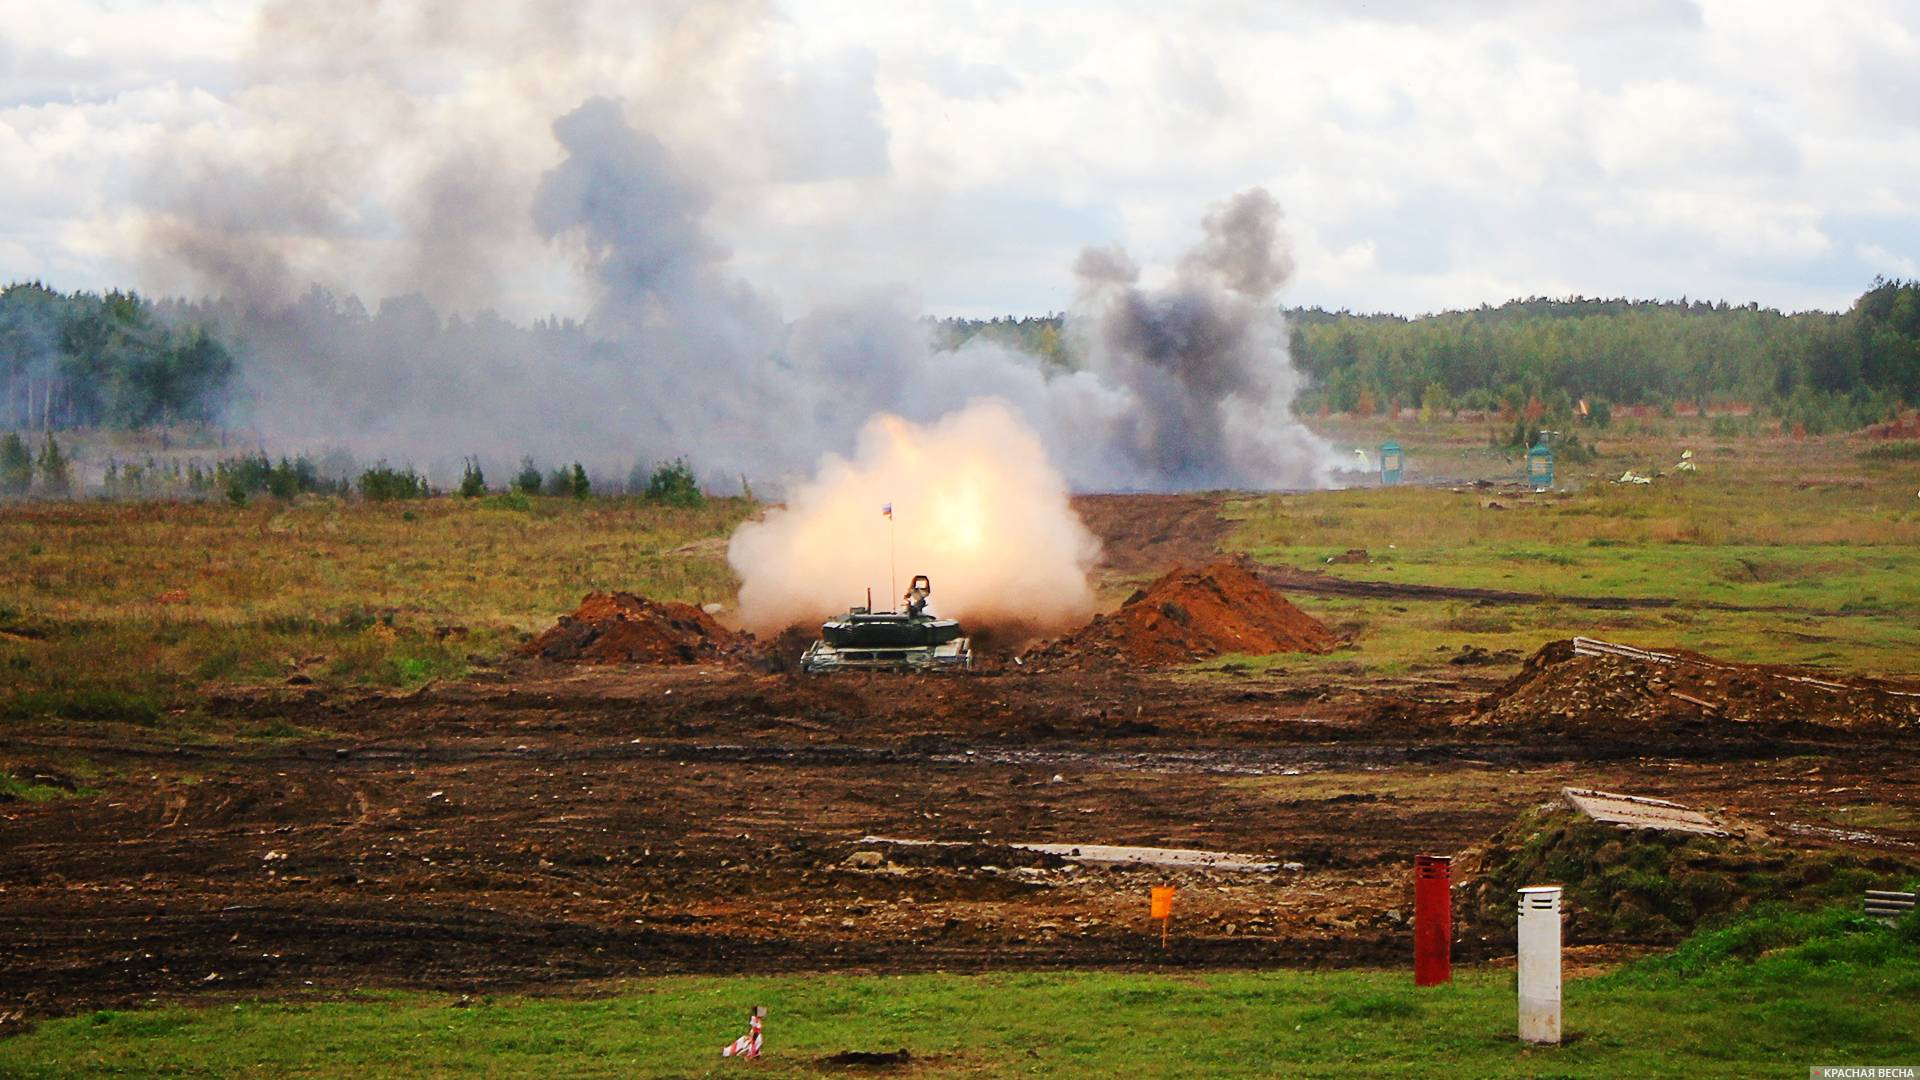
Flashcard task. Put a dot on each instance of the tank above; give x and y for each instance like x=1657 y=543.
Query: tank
x=909 y=640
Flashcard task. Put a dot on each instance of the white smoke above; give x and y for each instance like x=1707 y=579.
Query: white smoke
x=975 y=506
x=1186 y=386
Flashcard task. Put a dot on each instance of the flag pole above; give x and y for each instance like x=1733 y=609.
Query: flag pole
x=893 y=561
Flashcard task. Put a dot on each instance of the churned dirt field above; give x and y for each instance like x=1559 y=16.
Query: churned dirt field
x=544 y=824
x=554 y=826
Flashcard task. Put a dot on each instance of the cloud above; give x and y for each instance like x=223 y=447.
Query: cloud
x=969 y=150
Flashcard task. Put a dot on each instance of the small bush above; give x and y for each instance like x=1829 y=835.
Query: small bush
x=56 y=475
x=565 y=481
x=383 y=483
x=527 y=480
x=245 y=476
x=1783 y=935
x=1892 y=451
x=473 y=482
x=16 y=465
x=673 y=484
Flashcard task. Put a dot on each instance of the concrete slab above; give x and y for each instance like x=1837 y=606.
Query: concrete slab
x=1640 y=812
x=1173 y=858
x=1176 y=858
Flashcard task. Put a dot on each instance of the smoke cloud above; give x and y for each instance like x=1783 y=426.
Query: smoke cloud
x=1204 y=360
x=338 y=177
x=975 y=508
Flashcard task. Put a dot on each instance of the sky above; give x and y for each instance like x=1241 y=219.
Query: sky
x=1425 y=155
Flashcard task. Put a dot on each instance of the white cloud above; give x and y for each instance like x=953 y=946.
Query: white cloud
x=1425 y=155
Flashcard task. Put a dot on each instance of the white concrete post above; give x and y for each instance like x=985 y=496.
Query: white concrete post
x=1539 y=963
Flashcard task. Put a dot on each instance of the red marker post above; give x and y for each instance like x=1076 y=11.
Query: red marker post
x=1432 y=920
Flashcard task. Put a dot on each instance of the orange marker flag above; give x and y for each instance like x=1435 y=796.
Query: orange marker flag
x=1162 y=909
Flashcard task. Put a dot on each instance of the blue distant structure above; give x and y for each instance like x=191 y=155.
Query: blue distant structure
x=1392 y=461
x=1540 y=465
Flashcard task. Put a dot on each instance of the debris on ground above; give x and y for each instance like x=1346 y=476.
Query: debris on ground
x=621 y=628
x=1192 y=614
x=1108 y=854
x=867 y=1059
x=1639 y=812
x=1350 y=557
x=1651 y=886
x=1596 y=688
x=1474 y=656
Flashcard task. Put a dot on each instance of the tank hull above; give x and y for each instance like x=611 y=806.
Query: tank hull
x=823 y=656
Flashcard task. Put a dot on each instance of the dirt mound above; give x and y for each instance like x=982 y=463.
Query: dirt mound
x=1647 y=886
x=1596 y=689
x=1193 y=615
x=621 y=628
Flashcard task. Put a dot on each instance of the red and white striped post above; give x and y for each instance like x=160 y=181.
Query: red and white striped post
x=1432 y=920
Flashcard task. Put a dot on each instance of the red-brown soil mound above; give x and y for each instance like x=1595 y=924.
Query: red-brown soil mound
x=621 y=628
x=1561 y=690
x=1193 y=615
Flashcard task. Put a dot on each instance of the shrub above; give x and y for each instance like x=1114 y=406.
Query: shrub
x=56 y=476
x=383 y=483
x=527 y=481
x=1892 y=451
x=473 y=483
x=16 y=466
x=283 y=482
x=673 y=483
x=249 y=475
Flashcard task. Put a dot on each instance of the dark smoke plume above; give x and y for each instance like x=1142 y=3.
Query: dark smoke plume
x=1205 y=358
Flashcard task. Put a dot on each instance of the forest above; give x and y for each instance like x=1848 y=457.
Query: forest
x=118 y=360
x=81 y=359
x=1822 y=370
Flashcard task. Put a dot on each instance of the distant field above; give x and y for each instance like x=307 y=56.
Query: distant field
x=1820 y=541
x=154 y=601
x=127 y=609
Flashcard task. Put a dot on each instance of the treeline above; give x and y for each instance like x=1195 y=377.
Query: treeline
x=1043 y=336
x=1820 y=370
x=81 y=359
x=119 y=361
x=1626 y=352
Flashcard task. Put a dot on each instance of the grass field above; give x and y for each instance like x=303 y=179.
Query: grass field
x=115 y=610
x=1818 y=540
x=1768 y=996
x=1811 y=549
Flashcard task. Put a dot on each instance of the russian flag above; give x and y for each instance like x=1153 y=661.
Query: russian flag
x=886 y=510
